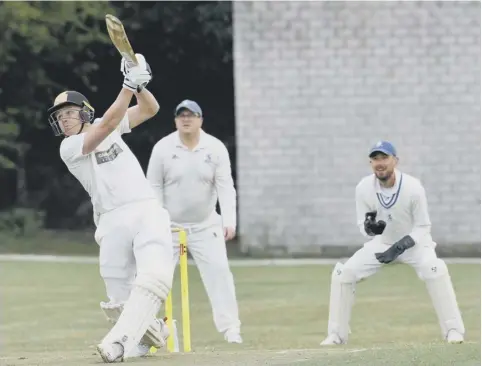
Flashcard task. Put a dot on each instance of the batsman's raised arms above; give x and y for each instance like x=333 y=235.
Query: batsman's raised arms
x=119 y=38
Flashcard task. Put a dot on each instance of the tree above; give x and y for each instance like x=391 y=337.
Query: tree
x=8 y=134
x=39 y=41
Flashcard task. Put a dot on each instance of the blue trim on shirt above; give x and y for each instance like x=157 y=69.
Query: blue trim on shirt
x=393 y=199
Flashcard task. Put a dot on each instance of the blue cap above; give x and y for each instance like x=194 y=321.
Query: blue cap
x=190 y=105
x=384 y=147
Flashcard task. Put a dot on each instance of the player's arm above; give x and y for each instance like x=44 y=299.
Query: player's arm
x=366 y=217
x=155 y=172
x=421 y=228
x=146 y=108
x=226 y=191
x=361 y=209
x=135 y=78
x=109 y=122
x=421 y=219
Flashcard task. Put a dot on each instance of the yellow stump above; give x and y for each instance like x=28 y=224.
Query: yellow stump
x=186 y=322
x=168 y=308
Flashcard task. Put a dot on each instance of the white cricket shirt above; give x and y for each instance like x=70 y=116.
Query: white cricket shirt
x=189 y=182
x=403 y=207
x=111 y=174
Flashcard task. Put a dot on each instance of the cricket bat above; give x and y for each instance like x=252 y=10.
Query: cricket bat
x=119 y=38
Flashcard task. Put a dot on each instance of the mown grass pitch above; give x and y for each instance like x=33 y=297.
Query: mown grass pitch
x=50 y=316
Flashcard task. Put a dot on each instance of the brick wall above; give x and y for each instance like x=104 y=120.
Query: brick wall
x=317 y=83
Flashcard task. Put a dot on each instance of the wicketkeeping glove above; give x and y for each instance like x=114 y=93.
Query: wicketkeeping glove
x=395 y=250
x=136 y=77
x=373 y=227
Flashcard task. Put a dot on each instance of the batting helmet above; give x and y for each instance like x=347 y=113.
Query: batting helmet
x=70 y=98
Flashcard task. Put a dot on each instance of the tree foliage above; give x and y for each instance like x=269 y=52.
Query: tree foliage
x=40 y=41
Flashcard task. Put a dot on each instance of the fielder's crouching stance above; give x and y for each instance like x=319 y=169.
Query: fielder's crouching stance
x=392 y=209
x=133 y=230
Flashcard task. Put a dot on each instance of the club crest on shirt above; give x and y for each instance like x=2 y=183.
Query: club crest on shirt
x=108 y=155
x=207 y=159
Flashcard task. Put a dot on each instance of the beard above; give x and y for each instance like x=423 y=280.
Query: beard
x=384 y=175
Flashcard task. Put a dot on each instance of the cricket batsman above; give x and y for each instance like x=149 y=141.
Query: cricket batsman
x=392 y=214
x=190 y=170
x=133 y=230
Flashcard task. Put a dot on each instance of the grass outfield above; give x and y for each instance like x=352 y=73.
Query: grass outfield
x=50 y=316
x=50 y=242
x=67 y=242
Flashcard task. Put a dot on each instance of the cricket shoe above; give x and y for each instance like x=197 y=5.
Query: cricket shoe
x=233 y=336
x=454 y=337
x=331 y=340
x=111 y=352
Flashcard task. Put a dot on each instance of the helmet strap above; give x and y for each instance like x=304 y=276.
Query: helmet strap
x=81 y=128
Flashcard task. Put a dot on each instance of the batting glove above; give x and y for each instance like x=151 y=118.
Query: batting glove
x=136 y=77
x=126 y=65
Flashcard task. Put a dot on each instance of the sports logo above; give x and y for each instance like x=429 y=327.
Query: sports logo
x=109 y=155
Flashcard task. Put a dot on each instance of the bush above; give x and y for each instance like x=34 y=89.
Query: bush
x=22 y=221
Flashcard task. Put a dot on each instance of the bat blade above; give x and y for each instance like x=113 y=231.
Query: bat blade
x=119 y=38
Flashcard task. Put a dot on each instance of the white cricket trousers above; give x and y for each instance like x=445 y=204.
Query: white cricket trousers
x=208 y=249
x=364 y=263
x=133 y=237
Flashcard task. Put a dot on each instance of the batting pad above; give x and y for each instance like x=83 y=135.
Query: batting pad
x=156 y=333
x=342 y=297
x=139 y=312
x=111 y=311
x=158 y=284
x=441 y=291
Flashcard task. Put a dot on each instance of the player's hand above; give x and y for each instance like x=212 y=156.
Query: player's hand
x=136 y=77
x=373 y=227
x=229 y=233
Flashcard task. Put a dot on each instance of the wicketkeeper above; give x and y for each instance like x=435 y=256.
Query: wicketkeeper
x=392 y=213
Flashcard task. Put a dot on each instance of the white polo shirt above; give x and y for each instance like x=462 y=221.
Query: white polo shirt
x=403 y=207
x=111 y=174
x=190 y=182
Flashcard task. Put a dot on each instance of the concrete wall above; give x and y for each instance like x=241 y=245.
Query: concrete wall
x=317 y=83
